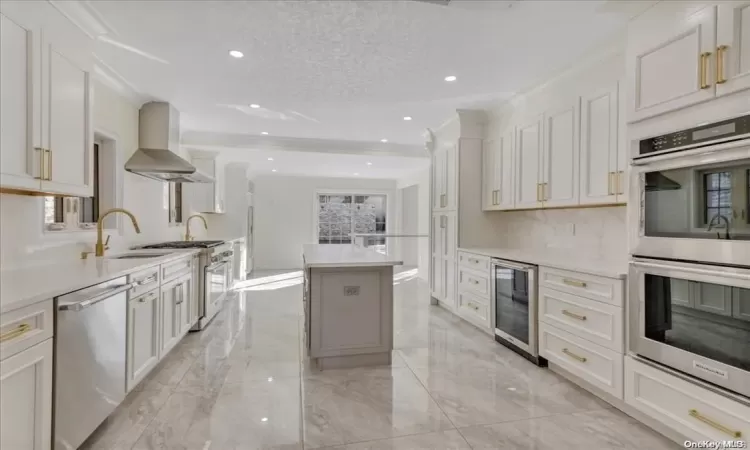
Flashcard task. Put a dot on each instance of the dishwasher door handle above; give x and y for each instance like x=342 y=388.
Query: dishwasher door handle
x=83 y=304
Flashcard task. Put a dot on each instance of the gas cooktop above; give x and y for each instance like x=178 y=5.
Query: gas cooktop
x=185 y=244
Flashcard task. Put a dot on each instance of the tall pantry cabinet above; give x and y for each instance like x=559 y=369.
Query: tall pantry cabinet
x=456 y=199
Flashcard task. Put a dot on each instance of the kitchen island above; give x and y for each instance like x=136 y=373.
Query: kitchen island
x=348 y=303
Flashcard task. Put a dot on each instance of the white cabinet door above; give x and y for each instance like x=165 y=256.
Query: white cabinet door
x=528 y=162
x=448 y=245
x=20 y=94
x=26 y=399
x=599 y=146
x=560 y=155
x=733 y=47
x=195 y=291
x=67 y=98
x=489 y=189
x=451 y=178
x=671 y=59
x=502 y=191
x=436 y=238
x=143 y=336
x=169 y=317
x=185 y=293
x=437 y=179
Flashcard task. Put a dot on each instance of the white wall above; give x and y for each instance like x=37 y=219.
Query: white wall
x=284 y=214
x=421 y=179
x=233 y=223
x=22 y=235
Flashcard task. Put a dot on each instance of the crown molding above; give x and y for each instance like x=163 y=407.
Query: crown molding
x=208 y=140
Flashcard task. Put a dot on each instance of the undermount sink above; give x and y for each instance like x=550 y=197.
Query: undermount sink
x=138 y=255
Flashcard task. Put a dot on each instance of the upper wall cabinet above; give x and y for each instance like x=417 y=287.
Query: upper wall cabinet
x=444 y=167
x=45 y=117
x=497 y=173
x=560 y=153
x=733 y=47
x=528 y=160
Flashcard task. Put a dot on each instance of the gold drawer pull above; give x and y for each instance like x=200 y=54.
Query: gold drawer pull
x=704 y=69
x=473 y=260
x=720 y=64
x=16 y=332
x=575 y=283
x=573 y=355
x=573 y=315
x=714 y=424
x=474 y=281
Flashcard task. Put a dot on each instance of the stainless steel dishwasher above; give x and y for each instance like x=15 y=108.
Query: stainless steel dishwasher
x=90 y=346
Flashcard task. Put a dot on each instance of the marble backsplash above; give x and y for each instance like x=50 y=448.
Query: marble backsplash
x=599 y=233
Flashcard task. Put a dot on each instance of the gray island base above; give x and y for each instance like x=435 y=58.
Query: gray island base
x=348 y=303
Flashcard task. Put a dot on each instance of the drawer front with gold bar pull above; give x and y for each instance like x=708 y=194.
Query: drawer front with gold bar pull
x=25 y=327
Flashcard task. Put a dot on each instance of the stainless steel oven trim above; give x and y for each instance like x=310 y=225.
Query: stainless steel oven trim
x=688 y=150
x=532 y=347
x=678 y=359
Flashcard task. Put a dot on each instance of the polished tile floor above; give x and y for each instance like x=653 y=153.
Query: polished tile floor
x=242 y=384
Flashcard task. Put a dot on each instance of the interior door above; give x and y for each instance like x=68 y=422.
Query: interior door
x=599 y=140
x=528 y=162
x=671 y=62
x=733 y=47
x=560 y=155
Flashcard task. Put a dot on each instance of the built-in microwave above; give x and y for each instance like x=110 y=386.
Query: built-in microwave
x=691 y=191
x=694 y=318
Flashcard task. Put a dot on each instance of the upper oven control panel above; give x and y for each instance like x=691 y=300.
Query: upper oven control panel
x=697 y=136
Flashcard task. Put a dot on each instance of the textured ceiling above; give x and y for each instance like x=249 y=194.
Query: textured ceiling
x=341 y=69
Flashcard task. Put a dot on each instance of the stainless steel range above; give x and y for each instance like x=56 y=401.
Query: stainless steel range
x=215 y=274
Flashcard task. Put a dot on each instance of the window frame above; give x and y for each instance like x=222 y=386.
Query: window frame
x=740 y=198
x=176 y=214
x=353 y=192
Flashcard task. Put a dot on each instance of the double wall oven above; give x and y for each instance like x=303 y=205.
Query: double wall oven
x=689 y=277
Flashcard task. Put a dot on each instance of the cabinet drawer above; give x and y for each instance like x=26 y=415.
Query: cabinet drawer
x=475 y=282
x=607 y=290
x=474 y=261
x=599 y=366
x=474 y=309
x=173 y=269
x=594 y=321
x=687 y=408
x=25 y=327
x=145 y=280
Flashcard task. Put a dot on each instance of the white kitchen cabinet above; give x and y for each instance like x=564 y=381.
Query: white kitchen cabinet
x=671 y=59
x=528 y=157
x=195 y=296
x=186 y=294
x=26 y=399
x=443 y=247
x=733 y=47
x=208 y=197
x=560 y=153
x=444 y=168
x=602 y=177
x=47 y=134
x=438 y=162
x=143 y=336
x=174 y=312
x=497 y=176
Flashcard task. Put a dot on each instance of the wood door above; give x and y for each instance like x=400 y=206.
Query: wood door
x=599 y=142
x=26 y=405
x=528 y=163
x=504 y=197
x=489 y=185
x=20 y=90
x=143 y=337
x=665 y=65
x=67 y=102
x=733 y=47
x=560 y=156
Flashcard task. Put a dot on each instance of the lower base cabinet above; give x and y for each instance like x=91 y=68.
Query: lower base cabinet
x=26 y=392
x=693 y=411
x=143 y=336
x=174 y=306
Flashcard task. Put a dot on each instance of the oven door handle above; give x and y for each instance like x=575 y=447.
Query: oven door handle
x=215 y=266
x=510 y=265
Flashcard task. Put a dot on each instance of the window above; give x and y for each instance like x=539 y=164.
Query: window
x=726 y=193
x=175 y=203
x=340 y=215
x=75 y=213
x=718 y=195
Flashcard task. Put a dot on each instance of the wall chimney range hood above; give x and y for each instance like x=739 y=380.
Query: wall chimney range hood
x=158 y=141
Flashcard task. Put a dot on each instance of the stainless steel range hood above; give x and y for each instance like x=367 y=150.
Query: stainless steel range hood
x=159 y=140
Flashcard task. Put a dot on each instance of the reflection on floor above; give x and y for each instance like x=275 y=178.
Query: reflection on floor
x=242 y=384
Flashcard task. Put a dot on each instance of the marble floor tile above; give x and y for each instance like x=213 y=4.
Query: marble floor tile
x=604 y=429
x=441 y=440
x=348 y=406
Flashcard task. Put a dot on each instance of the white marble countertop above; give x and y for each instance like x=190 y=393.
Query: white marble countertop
x=344 y=256
x=23 y=286
x=559 y=259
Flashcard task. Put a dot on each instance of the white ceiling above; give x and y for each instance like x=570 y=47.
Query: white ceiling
x=341 y=69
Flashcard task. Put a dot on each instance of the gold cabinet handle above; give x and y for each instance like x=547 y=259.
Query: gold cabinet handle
x=538 y=194
x=712 y=423
x=41 y=162
x=16 y=332
x=474 y=281
x=704 y=70
x=473 y=260
x=574 y=356
x=573 y=315
x=720 y=64
x=620 y=174
x=49 y=163
x=575 y=283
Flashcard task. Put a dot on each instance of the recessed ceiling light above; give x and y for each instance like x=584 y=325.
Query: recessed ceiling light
x=407 y=118
x=369 y=163
x=356 y=174
x=264 y=133
x=265 y=419
x=270 y=159
x=384 y=140
x=450 y=78
x=236 y=53
x=273 y=170
x=254 y=105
